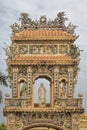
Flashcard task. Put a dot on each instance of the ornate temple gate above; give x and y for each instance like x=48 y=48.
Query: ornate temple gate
x=43 y=49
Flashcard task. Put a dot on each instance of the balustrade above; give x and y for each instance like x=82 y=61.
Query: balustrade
x=26 y=102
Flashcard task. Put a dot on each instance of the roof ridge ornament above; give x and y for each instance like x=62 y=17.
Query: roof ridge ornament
x=43 y=23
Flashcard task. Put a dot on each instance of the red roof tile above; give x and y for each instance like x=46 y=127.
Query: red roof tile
x=42 y=35
x=61 y=59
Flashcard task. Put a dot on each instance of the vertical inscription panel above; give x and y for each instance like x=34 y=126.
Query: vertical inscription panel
x=55 y=84
x=70 y=84
x=15 y=92
x=29 y=81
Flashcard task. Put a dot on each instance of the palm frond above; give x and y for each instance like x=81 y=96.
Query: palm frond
x=3 y=79
x=0 y=97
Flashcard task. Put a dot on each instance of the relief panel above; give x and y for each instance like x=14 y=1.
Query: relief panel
x=63 y=49
x=23 y=49
x=26 y=119
x=43 y=49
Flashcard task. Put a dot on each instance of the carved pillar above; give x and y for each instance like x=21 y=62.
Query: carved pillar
x=70 y=87
x=68 y=122
x=11 y=121
x=75 y=121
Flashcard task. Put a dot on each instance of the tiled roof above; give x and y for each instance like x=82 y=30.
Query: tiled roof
x=30 y=59
x=43 y=35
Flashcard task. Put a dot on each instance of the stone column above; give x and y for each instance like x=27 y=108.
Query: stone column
x=11 y=121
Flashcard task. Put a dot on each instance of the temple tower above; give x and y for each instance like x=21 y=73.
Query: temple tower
x=43 y=49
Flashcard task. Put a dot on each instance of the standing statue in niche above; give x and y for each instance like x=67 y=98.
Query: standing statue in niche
x=23 y=90
x=42 y=95
x=63 y=89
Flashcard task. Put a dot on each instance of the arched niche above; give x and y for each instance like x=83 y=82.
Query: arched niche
x=47 y=90
x=63 y=87
x=42 y=91
x=22 y=87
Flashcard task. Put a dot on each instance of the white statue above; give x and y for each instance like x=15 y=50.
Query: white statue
x=63 y=87
x=42 y=95
x=23 y=90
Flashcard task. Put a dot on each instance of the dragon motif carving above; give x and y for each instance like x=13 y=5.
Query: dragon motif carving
x=43 y=23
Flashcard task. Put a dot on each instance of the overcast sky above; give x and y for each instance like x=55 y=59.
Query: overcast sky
x=76 y=11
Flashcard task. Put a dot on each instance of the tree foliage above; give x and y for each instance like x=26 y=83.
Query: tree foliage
x=2 y=126
x=3 y=81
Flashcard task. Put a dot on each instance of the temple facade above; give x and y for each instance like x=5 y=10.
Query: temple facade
x=43 y=49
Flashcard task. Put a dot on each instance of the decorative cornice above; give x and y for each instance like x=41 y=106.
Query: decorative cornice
x=71 y=110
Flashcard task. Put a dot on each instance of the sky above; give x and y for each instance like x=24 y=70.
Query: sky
x=76 y=12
